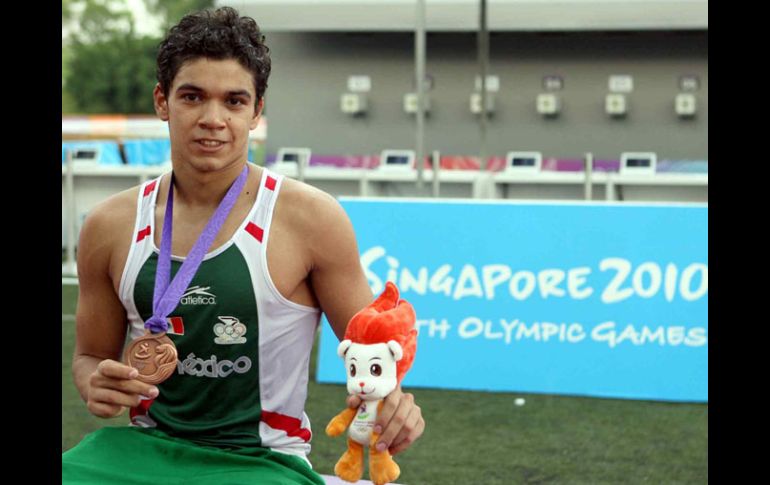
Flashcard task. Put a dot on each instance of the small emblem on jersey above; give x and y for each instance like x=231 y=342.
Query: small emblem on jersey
x=229 y=331
x=175 y=326
x=198 y=295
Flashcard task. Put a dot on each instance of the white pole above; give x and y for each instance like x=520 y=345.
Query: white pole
x=436 y=157
x=589 y=172
x=419 y=68
x=301 y=161
x=483 y=53
x=70 y=268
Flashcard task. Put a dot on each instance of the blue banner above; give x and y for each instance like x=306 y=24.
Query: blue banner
x=147 y=151
x=103 y=152
x=606 y=300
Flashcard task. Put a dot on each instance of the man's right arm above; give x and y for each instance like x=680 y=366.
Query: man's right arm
x=105 y=384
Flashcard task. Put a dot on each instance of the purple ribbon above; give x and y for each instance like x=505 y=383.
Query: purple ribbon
x=166 y=296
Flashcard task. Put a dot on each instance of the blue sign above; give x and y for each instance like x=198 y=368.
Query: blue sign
x=606 y=300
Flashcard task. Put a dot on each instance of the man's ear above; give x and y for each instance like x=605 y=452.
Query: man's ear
x=257 y=113
x=161 y=102
x=343 y=347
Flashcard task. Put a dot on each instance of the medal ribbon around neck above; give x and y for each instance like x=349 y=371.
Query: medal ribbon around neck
x=154 y=354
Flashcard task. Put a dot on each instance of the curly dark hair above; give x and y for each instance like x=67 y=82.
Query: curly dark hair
x=218 y=34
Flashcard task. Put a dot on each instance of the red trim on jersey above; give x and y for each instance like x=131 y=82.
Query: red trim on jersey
x=255 y=231
x=270 y=183
x=143 y=234
x=141 y=409
x=175 y=326
x=292 y=426
x=148 y=190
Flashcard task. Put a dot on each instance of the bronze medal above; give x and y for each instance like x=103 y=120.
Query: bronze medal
x=154 y=356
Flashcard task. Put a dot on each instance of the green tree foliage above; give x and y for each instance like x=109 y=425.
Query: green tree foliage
x=66 y=10
x=109 y=68
x=172 y=11
x=115 y=75
x=102 y=20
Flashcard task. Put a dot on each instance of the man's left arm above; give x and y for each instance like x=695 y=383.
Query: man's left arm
x=340 y=285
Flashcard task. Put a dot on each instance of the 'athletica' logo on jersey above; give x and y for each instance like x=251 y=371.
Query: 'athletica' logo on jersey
x=229 y=331
x=198 y=295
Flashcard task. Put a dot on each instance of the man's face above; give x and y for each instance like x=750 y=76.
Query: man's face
x=210 y=110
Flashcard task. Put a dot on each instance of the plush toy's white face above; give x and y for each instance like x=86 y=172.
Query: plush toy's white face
x=371 y=368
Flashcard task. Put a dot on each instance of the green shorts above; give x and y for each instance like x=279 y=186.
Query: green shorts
x=128 y=455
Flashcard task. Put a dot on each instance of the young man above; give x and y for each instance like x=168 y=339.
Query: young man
x=233 y=409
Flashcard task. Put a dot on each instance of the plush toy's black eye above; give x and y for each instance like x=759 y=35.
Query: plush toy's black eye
x=375 y=370
x=352 y=370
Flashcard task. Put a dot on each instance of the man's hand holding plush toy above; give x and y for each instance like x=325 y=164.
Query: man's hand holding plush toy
x=401 y=419
x=378 y=348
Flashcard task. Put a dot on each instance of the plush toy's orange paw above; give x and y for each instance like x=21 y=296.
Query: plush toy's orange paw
x=349 y=469
x=336 y=427
x=340 y=422
x=382 y=468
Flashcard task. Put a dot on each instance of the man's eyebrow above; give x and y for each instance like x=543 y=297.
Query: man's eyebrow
x=240 y=92
x=189 y=87
x=193 y=87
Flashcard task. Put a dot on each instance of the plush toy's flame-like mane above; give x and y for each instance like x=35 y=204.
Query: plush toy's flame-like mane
x=386 y=319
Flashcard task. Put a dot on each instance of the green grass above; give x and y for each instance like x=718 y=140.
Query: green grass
x=76 y=421
x=483 y=438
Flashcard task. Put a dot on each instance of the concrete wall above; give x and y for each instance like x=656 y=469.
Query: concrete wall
x=310 y=72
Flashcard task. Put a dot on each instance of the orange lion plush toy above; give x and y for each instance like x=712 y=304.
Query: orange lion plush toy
x=378 y=349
